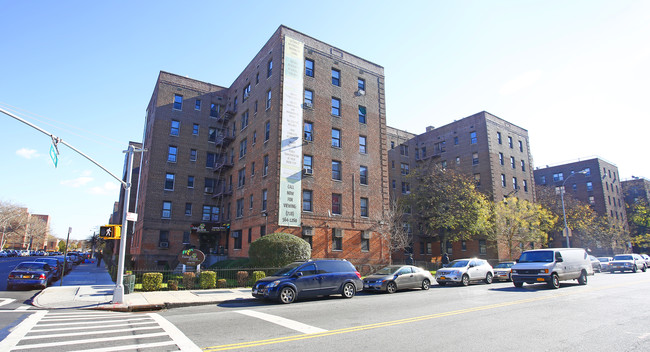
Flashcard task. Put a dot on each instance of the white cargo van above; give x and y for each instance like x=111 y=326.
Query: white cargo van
x=552 y=265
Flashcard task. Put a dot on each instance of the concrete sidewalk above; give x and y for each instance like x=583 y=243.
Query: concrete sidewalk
x=91 y=287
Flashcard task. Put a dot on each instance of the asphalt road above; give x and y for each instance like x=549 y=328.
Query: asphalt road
x=609 y=314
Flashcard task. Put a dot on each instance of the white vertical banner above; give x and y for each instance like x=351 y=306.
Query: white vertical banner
x=291 y=150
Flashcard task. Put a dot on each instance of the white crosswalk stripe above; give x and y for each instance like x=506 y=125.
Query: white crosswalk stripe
x=96 y=331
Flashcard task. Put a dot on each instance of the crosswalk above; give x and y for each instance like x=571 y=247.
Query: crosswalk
x=96 y=331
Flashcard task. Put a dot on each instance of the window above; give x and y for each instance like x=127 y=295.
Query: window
x=250 y=235
x=472 y=138
x=255 y=108
x=336 y=77
x=403 y=150
x=337 y=239
x=266 y=165
x=240 y=208
x=404 y=169
x=503 y=180
x=242 y=148
x=457 y=160
x=169 y=182
x=392 y=145
x=309 y=68
x=525 y=186
x=262 y=230
x=365 y=241
x=336 y=170
x=254 y=137
x=587 y=171
x=309 y=131
x=512 y=162
x=309 y=98
x=257 y=78
x=307 y=200
x=163 y=236
x=186 y=237
x=439 y=147
x=175 y=128
x=590 y=186
x=212 y=134
x=521 y=146
x=363 y=175
x=167 y=210
x=514 y=183
x=268 y=99
x=190 y=181
x=237 y=237
x=171 y=154
x=244 y=120
x=474 y=158
x=264 y=196
x=307 y=162
x=558 y=177
x=501 y=159
x=477 y=179
x=267 y=131
x=269 y=68
x=443 y=164
x=361 y=84
x=210 y=160
x=336 y=138
x=424 y=152
x=510 y=142
x=499 y=137
x=592 y=200
x=197 y=104
x=336 y=203
x=574 y=187
x=362 y=114
x=542 y=180
x=195 y=129
x=455 y=140
x=482 y=247
x=234 y=105
x=394 y=184
x=523 y=165
x=362 y=145
x=364 y=207
x=246 y=92
x=406 y=188
x=463 y=245
x=188 y=209
x=336 y=107
x=178 y=102
x=214 y=110
x=241 y=177
x=193 y=154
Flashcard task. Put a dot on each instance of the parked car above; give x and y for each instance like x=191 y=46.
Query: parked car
x=68 y=263
x=31 y=274
x=396 y=277
x=309 y=279
x=552 y=265
x=624 y=262
x=464 y=271
x=647 y=260
x=503 y=271
x=57 y=267
x=595 y=264
x=605 y=263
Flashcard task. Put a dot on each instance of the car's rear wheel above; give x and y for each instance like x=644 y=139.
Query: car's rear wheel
x=634 y=269
x=518 y=284
x=643 y=269
x=582 y=280
x=287 y=295
x=465 y=280
x=555 y=282
x=426 y=284
x=348 y=290
x=488 y=278
x=391 y=287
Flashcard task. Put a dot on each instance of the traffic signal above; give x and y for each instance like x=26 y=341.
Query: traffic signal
x=110 y=232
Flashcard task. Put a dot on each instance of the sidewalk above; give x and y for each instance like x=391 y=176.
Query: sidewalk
x=91 y=287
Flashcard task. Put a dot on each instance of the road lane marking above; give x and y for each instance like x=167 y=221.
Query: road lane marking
x=182 y=341
x=408 y=320
x=21 y=330
x=6 y=301
x=23 y=308
x=129 y=347
x=87 y=328
x=85 y=333
x=95 y=340
x=287 y=323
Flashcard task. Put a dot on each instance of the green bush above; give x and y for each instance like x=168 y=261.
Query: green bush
x=189 y=279
x=222 y=283
x=207 y=279
x=257 y=275
x=242 y=278
x=152 y=281
x=173 y=285
x=277 y=250
x=231 y=264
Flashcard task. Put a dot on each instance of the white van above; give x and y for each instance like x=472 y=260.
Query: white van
x=552 y=265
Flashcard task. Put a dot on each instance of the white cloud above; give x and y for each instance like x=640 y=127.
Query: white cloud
x=27 y=153
x=109 y=188
x=77 y=182
x=520 y=82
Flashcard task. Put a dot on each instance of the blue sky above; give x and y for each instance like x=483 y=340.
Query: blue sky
x=573 y=73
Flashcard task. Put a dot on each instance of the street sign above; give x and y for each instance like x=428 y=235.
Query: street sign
x=132 y=216
x=54 y=155
x=191 y=257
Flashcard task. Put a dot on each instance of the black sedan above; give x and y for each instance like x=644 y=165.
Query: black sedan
x=30 y=274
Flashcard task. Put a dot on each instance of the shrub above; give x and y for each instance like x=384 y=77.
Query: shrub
x=188 y=280
x=173 y=285
x=207 y=279
x=222 y=283
x=152 y=281
x=242 y=278
x=277 y=250
x=257 y=275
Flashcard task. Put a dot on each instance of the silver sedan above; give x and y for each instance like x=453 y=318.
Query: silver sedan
x=396 y=277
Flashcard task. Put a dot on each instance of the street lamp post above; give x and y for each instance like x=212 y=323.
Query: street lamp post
x=566 y=228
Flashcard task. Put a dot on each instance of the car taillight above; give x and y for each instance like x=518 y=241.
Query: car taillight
x=11 y=276
x=42 y=277
x=358 y=274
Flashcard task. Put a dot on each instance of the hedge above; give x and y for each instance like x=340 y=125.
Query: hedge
x=152 y=281
x=207 y=279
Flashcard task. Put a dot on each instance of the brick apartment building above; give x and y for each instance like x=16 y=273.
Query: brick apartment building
x=295 y=144
x=635 y=190
x=495 y=152
x=599 y=186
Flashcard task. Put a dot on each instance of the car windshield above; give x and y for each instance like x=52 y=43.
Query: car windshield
x=536 y=257
x=287 y=270
x=30 y=266
x=391 y=269
x=458 y=264
x=623 y=257
x=604 y=260
x=503 y=265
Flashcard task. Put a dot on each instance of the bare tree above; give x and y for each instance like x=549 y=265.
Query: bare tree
x=393 y=229
x=13 y=219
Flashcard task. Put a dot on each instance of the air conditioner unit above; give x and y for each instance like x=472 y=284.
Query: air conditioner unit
x=163 y=244
x=307 y=231
x=308 y=171
x=361 y=92
x=209 y=190
x=338 y=233
x=308 y=105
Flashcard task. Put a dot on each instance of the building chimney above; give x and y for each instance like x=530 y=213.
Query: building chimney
x=430 y=128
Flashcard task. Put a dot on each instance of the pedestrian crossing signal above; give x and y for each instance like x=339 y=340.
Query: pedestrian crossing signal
x=110 y=232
